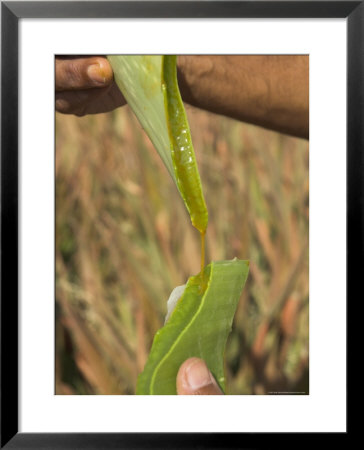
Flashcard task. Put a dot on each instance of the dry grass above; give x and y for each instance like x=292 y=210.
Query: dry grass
x=124 y=241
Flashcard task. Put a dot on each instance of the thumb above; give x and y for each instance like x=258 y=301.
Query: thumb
x=194 y=378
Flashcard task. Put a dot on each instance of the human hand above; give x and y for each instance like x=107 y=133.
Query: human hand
x=85 y=85
x=194 y=378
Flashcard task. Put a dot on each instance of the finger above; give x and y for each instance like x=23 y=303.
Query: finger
x=194 y=378
x=77 y=102
x=89 y=101
x=82 y=73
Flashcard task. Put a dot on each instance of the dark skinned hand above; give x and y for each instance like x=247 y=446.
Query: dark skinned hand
x=85 y=85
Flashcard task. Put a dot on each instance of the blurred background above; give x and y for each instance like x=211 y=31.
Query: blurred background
x=124 y=241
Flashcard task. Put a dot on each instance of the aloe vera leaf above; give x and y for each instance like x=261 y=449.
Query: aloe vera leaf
x=149 y=84
x=199 y=326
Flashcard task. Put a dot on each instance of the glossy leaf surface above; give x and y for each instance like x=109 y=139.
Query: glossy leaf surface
x=183 y=155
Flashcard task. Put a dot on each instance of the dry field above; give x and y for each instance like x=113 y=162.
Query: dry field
x=124 y=241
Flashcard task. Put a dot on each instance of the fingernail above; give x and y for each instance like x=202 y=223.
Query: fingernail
x=96 y=74
x=198 y=375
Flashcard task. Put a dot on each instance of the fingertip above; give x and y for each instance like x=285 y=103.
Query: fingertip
x=194 y=378
x=81 y=73
x=106 y=69
x=183 y=387
x=100 y=72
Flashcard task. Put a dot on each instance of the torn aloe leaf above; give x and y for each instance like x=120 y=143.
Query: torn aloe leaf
x=201 y=320
x=198 y=326
x=149 y=84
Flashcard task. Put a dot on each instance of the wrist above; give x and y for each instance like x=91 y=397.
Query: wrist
x=191 y=70
x=183 y=75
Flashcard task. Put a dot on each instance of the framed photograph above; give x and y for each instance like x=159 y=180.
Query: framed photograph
x=95 y=234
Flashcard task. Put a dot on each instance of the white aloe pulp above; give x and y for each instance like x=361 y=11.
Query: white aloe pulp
x=176 y=294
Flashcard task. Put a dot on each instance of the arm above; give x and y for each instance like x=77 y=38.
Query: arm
x=270 y=91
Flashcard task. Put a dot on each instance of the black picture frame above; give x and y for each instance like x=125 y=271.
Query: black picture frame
x=11 y=12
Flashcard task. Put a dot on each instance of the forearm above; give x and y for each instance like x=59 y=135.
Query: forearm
x=270 y=91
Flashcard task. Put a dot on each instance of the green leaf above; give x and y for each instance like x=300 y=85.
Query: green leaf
x=199 y=326
x=149 y=84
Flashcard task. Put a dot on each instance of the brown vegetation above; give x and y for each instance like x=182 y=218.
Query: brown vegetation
x=124 y=241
